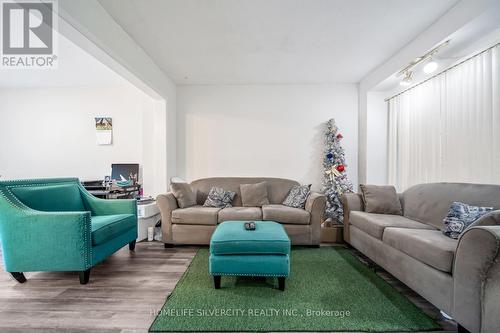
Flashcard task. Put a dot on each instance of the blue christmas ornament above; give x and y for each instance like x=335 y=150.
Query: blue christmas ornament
x=329 y=156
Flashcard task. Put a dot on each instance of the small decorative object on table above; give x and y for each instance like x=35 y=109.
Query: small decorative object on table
x=250 y=225
x=264 y=252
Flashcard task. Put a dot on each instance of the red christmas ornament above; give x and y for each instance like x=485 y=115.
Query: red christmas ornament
x=339 y=136
x=340 y=168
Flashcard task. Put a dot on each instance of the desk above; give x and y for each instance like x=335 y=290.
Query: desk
x=111 y=192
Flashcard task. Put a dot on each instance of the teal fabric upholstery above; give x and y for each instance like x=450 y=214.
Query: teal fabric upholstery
x=232 y=238
x=56 y=225
x=250 y=265
x=107 y=227
x=264 y=251
x=55 y=198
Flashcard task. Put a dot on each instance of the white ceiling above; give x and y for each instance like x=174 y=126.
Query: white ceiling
x=272 y=41
x=75 y=68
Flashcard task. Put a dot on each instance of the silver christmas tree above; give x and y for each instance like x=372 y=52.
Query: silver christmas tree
x=335 y=181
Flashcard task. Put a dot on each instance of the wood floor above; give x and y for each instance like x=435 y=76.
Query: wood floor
x=122 y=295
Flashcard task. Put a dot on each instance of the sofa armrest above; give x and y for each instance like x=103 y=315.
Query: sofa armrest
x=476 y=278
x=44 y=241
x=351 y=202
x=166 y=203
x=315 y=205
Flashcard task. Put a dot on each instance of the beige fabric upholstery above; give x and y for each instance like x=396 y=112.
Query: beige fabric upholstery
x=477 y=279
x=300 y=234
x=254 y=195
x=428 y=246
x=315 y=205
x=195 y=226
x=285 y=214
x=185 y=196
x=374 y=224
x=277 y=188
x=240 y=214
x=419 y=257
x=351 y=202
x=196 y=215
x=381 y=199
x=191 y=234
x=166 y=203
x=432 y=284
x=429 y=203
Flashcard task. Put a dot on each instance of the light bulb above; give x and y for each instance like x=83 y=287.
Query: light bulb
x=406 y=81
x=430 y=67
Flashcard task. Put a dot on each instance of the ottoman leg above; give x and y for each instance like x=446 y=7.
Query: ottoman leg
x=217 y=281
x=281 y=283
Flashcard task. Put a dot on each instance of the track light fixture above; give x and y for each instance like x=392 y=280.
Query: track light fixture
x=429 y=67
x=407 y=80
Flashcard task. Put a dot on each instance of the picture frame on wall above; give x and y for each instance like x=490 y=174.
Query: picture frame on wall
x=104 y=130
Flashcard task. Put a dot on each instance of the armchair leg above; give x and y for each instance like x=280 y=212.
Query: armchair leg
x=131 y=246
x=168 y=246
x=281 y=283
x=19 y=276
x=84 y=276
x=217 y=279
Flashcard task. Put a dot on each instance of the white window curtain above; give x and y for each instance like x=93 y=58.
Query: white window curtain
x=448 y=128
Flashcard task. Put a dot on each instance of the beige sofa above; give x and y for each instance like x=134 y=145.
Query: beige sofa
x=460 y=277
x=195 y=225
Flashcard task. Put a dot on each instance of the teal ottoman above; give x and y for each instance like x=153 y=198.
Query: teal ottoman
x=236 y=251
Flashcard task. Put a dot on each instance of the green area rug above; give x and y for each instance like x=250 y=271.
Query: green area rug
x=329 y=289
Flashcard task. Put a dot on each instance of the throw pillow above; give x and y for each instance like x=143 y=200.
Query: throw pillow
x=182 y=191
x=254 y=195
x=218 y=197
x=297 y=196
x=381 y=199
x=460 y=217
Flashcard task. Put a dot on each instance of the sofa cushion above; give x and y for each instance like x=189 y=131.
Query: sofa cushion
x=254 y=195
x=219 y=198
x=462 y=216
x=374 y=224
x=297 y=196
x=285 y=214
x=107 y=227
x=183 y=193
x=51 y=198
x=195 y=215
x=240 y=214
x=277 y=188
x=381 y=199
x=428 y=246
x=429 y=203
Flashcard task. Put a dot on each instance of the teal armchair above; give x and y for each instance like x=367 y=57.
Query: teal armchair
x=56 y=225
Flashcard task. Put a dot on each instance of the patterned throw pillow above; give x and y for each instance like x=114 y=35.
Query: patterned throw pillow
x=220 y=198
x=460 y=217
x=297 y=196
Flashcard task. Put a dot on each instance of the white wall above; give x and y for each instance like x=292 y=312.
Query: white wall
x=89 y=25
x=50 y=132
x=376 y=152
x=262 y=130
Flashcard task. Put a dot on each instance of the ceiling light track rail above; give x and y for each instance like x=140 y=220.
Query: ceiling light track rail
x=443 y=71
